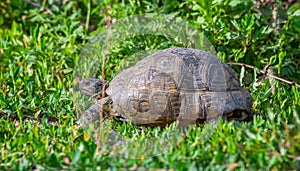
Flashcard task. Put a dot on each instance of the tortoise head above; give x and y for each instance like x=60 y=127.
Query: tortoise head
x=93 y=87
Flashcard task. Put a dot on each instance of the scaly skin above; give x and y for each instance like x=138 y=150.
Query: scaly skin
x=92 y=114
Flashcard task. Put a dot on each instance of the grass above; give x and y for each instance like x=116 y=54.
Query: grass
x=40 y=45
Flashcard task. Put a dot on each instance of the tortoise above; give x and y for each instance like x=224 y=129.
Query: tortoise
x=176 y=84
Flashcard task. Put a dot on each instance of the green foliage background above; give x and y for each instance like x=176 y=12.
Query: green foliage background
x=40 y=42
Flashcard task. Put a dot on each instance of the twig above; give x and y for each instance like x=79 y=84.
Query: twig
x=104 y=58
x=265 y=72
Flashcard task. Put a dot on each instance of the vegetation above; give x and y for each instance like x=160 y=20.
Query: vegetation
x=40 y=43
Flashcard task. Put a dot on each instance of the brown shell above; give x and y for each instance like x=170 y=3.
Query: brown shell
x=177 y=83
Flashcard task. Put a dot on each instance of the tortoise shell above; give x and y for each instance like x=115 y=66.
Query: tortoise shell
x=181 y=84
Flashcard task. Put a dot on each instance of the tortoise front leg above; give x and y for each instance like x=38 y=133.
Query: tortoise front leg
x=93 y=113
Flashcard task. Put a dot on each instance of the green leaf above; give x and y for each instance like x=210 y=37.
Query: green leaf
x=295 y=7
x=281 y=57
x=234 y=3
x=296 y=13
x=242 y=75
